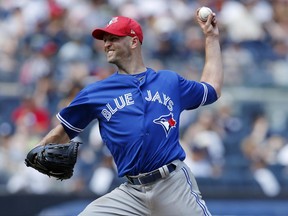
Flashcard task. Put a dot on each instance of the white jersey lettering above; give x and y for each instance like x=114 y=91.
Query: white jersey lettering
x=122 y=102
x=170 y=105
x=166 y=99
x=111 y=109
x=162 y=99
x=106 y=114
x=149 y=96
x=157 y=97
x=119 y=103
x=128 y=98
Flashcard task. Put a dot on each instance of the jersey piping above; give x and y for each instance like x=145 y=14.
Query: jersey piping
x=71 y=127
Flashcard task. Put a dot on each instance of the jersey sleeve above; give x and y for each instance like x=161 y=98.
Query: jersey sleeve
x=76 y=116
x=194 y=94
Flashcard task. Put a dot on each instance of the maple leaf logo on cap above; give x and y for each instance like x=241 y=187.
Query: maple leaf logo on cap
x=113 y=20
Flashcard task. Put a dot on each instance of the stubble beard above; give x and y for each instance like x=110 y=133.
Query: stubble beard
x=112 y=60
x=118 y=58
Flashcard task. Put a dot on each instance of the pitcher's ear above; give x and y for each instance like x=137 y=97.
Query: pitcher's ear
x=135 y=41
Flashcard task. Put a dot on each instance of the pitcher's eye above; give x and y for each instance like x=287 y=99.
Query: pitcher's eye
x=110 y=38
x=114 y=38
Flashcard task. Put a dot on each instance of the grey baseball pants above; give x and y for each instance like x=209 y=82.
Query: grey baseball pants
x=176 y=195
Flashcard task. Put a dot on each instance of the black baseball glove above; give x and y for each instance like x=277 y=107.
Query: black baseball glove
x=56 y=160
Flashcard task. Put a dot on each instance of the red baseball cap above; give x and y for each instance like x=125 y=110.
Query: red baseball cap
x=120 y=26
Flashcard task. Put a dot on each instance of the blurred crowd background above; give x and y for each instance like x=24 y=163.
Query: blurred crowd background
x=47 y=55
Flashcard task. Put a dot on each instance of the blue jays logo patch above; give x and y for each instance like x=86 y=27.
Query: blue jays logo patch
x=167 y=122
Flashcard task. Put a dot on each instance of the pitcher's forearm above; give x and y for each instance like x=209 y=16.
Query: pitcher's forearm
x=56 y=135
x=213 y=68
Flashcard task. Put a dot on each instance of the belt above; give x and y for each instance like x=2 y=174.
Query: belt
x=152 y=176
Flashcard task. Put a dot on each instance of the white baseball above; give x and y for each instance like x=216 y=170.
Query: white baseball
x=203 y=13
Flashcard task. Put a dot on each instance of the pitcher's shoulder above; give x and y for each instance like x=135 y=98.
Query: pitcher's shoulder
x=167 y=73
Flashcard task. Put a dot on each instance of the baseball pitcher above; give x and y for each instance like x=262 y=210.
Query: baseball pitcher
x=138 y=110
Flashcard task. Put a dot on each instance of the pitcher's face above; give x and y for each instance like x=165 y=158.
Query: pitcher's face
x=117 y=48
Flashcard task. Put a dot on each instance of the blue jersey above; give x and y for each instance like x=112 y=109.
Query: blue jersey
x=138 y=116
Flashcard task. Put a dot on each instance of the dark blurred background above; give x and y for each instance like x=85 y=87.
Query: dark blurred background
x=237 y=147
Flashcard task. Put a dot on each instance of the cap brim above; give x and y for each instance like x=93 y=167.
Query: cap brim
x=100 y=32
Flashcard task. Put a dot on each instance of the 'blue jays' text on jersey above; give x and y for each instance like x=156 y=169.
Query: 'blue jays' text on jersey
x=138 y=116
